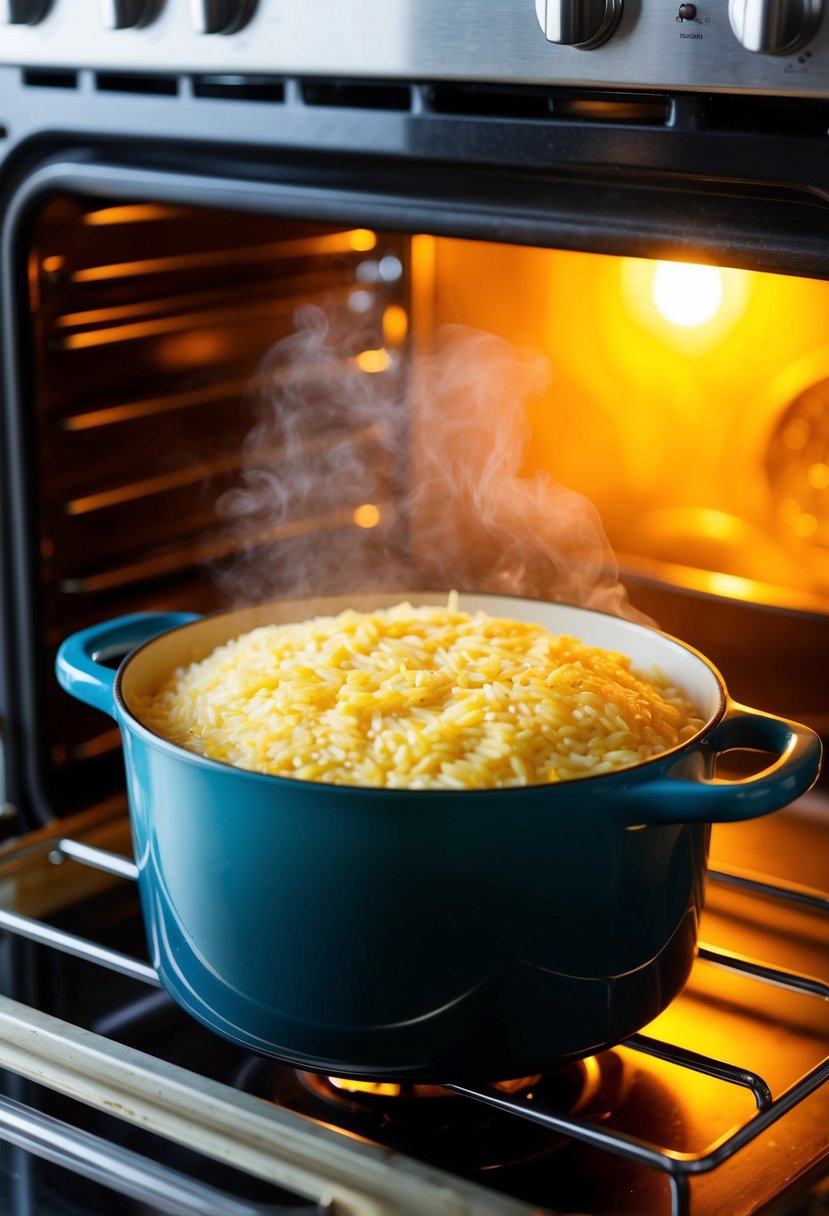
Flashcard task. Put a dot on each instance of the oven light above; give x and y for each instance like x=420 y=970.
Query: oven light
x=395 y=324
x=687 y=307
x=362 y=239
x=373 y=360
x=367 y=515
x=685 y=294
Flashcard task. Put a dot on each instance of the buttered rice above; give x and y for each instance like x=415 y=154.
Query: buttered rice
x=421 y=698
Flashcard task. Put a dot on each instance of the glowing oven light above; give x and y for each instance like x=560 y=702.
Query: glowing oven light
x=687 y=295
x=380 y=1089
x=393 y=1089
x=367 y=515
x=373 y=361
x=362 y=239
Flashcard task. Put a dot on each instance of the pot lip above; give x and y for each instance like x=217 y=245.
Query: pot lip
x=322 y=788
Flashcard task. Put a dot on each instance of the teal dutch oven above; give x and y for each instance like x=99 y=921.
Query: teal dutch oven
x=426 y=934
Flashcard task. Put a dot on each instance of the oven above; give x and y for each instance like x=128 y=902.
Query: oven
x=300 y=300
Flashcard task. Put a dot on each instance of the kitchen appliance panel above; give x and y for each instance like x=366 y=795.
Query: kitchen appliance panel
x=653 y=46
x=170 y=199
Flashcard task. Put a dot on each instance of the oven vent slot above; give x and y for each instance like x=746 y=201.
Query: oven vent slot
x=472 y=101
x=52 y=78
x=116 y=82
x=772 y=115
x=239 y=88
x=650 y=111
x=365 y=95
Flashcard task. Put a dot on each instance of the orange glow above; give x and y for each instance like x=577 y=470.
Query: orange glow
x=104 y=337
x=361 y=239
x=805 y=525
x=796 y=435
x=194 y=348
x=678 y=425
x=381 y=1089
x=162 y=326
x=687 y=295
x=392 y=1089
x=54 y=263
x=517 y=1084
x=731 y=586
x=153 y=405
x=687 y=306
x=134 y=213
x=818 y=476
x=367 y=515
x=373 y=360
x=395 y=325
x=333 y=242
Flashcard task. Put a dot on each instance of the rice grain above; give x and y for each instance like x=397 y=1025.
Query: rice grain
x=419 y=698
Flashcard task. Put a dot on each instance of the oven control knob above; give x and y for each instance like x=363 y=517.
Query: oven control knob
x=23 y=12
x=584 y=23
x=774 y=27
x=127 y=14
x=220 y=16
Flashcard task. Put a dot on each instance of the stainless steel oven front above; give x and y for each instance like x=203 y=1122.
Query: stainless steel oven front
x=590 y=239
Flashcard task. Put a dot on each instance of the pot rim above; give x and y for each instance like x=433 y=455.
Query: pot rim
x=175 y=749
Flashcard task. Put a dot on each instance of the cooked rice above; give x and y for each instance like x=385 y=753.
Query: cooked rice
x=421 y=698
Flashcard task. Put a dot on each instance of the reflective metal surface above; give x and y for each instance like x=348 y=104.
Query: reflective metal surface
x=583 y=23
x=23 y=12
x=485 y=40
x=720 y=1105
x=126 y=14
x=774 y=27
x=220 y=16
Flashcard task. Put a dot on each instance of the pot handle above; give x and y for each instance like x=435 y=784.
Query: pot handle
x=81 y=660
x=678 y=799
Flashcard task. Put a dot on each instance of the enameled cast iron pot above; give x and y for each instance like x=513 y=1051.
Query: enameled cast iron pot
x=426 y=934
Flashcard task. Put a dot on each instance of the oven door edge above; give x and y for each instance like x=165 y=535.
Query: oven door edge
x=276 y=1145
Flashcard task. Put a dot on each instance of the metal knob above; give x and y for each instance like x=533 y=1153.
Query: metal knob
x=774 y=27
x=127 y=14
x=220 y=16
x=584 y=23
x=23 y=12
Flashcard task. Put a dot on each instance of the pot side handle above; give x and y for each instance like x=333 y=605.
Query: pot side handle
x=676 y=799
x=81 y=660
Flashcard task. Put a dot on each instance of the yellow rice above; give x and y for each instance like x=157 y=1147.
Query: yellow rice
x=421 y=698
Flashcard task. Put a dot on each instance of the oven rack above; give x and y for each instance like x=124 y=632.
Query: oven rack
x=678 y=1167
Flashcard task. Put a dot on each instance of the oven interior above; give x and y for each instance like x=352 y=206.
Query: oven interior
x=151 y=469
x=180 y=449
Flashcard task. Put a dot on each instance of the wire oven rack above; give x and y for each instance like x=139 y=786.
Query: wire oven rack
x=69 y=1145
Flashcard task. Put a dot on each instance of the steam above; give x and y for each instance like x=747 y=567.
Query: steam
x=437 y=446
x=330 y=438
